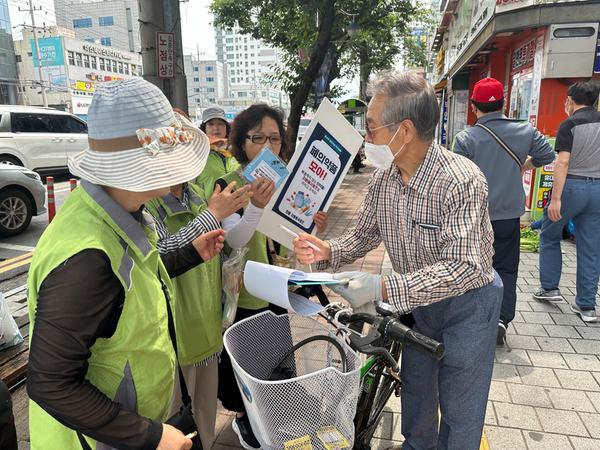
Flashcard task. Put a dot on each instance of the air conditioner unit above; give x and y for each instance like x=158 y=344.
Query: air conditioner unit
x=570 y=50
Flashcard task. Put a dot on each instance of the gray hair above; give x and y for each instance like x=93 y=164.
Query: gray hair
x=408 y=96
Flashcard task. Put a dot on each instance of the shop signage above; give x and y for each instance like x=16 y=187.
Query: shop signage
x=51 y=52
x=104 y=51
x=536 y=82
x=524 y=55
x=597 y=59
x=165 y=54
x=85 y=86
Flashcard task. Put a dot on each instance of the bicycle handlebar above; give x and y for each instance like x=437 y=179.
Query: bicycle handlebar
x=390 y=328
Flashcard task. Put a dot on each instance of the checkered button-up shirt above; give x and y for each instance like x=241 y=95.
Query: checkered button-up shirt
x=436 y=230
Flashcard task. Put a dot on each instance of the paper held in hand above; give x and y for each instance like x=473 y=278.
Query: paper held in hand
x=270 y=283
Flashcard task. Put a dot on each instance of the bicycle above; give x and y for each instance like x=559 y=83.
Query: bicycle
x=282 y=365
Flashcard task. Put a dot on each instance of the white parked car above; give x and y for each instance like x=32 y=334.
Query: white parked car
x=40 y=138
x=22 y=196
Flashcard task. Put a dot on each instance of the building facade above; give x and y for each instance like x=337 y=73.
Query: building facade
x=71 y=69
x=207 y=83
x=8 y=65
x=112 y=23
x=249 y=63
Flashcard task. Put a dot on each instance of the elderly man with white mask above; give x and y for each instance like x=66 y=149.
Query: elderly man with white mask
x=429 y=207
x=102 y=364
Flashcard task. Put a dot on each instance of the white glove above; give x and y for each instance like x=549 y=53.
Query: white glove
x=362 y=288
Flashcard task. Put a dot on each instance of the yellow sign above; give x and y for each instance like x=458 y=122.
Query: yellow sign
x=332 y=439
x=85 y=86
x=302 y=443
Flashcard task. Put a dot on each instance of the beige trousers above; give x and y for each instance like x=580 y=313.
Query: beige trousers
x=202 y=383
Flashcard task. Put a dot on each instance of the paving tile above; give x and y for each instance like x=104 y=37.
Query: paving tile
x=563 y=331
x=518 y=318
x=516 y=416
x=551 y=344
x=537 y=376
x=512 y=356
x=490 y=415
x=505 y=372
x=595 y=399
x=564 y=319
x=530 y=329
x=580 y=443
x=579 y=361
x=544 y=441
x=522 y=306
x=589 y=333
x=537 y=317
x=505 y=438
x=499 y=392
x=570 y=399
x=585 y=346
x=547 y=359
x=522 y=342
x=577 y=379
x=524 y=394
x=562 y=422
x=592 y=423
x=544 y=307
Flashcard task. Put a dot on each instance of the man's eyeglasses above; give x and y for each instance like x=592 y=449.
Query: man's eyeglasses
x=369 y=130
x=261 y=139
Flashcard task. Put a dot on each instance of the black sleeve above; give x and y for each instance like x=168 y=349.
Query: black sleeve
x=181 y=260
x=79 y=302
x=223 y=184
x=564 y=137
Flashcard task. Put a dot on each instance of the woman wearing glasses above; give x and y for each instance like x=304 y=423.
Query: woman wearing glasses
x=255 y=128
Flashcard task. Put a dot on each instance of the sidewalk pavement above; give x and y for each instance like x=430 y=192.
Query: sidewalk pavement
x=546 y=387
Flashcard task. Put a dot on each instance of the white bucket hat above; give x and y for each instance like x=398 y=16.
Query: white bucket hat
x=136 y=142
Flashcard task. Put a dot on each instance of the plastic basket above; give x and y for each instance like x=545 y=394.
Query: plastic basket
x=317 y=406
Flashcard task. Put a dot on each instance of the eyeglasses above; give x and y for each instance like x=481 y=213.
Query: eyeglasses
x=369 y=130
x=261 y=139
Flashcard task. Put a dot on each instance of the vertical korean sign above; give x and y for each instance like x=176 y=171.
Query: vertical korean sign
x=537 y=80
x=165 y=54
x=317 y=170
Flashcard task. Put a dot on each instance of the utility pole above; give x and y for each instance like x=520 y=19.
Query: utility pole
x=155 y=16
x=31 y=11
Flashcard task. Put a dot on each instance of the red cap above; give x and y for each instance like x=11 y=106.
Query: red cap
x=488 y=90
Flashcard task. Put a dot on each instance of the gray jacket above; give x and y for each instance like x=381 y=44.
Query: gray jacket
x=506 y=195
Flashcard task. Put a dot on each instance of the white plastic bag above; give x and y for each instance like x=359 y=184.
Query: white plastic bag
x=232 y=277
x=9 y=331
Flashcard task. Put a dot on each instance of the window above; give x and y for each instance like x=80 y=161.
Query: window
x=196 y=69
x=242 y=94
x=105 y=41
x=229 y=40
x=210 y=79
x=209 y=68
x=86 y=61
x=229 y=48
x=82 y=23
x=120 y=67
x=197 y=90
x=68 y=124
x=263 y=93
x=106 y=21
x=18 y=58
x=89 y=39
x=78 y=59
x=196 y=80
x=212 y=100
x=210 y=90
x=94 y=62
x=126 y=68
x=114 y=66
x=102 y=64
x=31 y=123
x=197 y=100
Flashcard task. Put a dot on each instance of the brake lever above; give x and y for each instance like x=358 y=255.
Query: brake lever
x=364 y=344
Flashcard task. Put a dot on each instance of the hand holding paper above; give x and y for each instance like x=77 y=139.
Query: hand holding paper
x=362 y=288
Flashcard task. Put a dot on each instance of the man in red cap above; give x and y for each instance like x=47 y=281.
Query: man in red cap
x=503 y=149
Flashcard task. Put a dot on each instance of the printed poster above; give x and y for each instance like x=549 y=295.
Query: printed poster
x=317 y=170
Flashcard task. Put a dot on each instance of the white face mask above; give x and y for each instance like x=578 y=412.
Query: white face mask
x=381 y=155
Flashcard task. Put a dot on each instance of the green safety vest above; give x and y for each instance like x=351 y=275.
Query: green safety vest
x=217 y=166
x=257 y=251
x=197 y=312
x=136 y=365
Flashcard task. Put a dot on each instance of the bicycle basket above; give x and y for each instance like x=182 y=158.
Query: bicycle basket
x=315 y=403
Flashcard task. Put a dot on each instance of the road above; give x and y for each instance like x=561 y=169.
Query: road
x=15 y=252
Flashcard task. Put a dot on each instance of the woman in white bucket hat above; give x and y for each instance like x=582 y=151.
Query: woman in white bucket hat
x=102 y=364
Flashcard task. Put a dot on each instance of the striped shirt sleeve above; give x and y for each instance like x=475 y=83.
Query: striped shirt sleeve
x=202 y=223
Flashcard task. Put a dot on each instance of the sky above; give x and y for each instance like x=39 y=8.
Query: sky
x=196 y=26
